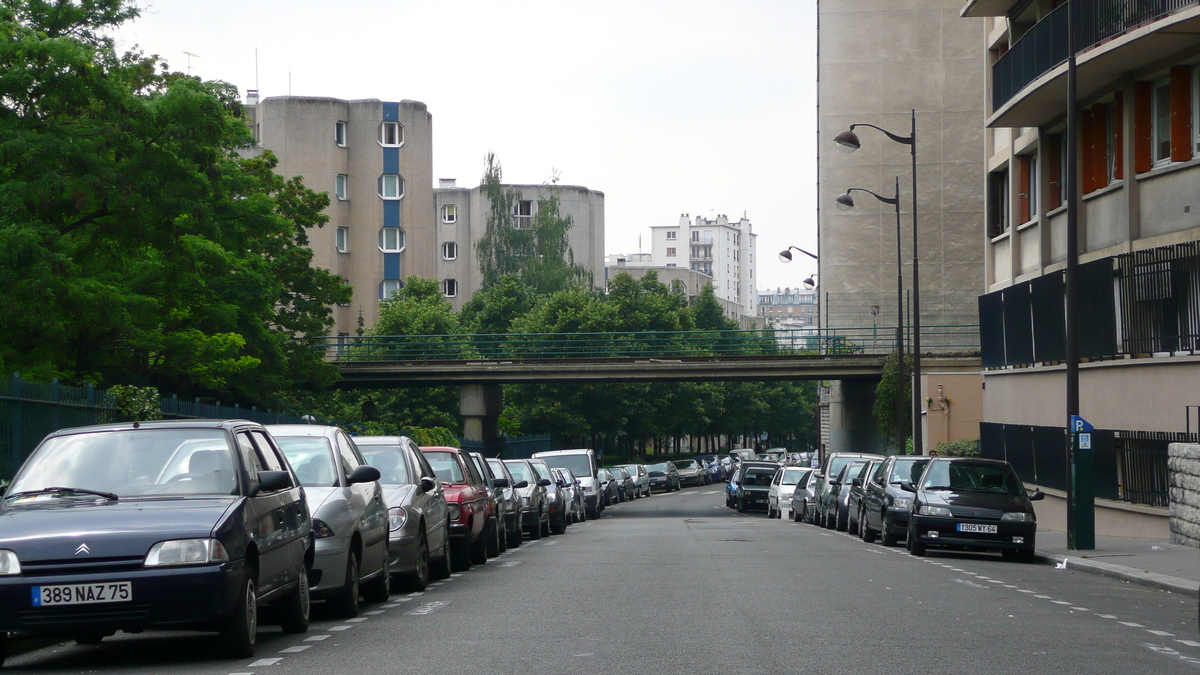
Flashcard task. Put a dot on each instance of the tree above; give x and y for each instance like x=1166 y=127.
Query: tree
x=493 y=309
x=709 y=315
x=892 y=419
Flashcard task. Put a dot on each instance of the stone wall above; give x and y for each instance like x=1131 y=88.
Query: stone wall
x=1183 y=468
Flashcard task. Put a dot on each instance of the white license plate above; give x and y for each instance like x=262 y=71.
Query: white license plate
x=979 y=529
x=82 y=594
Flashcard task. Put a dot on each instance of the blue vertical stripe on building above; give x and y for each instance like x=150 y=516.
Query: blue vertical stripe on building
x=391 y=213
x=391 y=112
x=391 y=160
x=391 y=266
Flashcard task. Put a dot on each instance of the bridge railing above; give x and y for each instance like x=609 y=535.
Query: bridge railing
x=640 y=344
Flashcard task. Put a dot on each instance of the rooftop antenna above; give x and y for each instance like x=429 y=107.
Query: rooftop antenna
x=190 y=55
x=639 y=244
x=256 y=65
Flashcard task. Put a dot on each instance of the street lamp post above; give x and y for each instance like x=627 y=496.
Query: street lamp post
x=845 y=202
x=786 y=254
x=847 y=141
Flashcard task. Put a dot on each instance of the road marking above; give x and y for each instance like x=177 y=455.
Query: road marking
x=342 y=627
x=429 y=608
x=955 y=569
x=1060 y=602
x=376 y=612
x=711 y=492
x=1160 y=632
x=1131 y=624
x=1024 y=590
x=993 y=581
x=1009 y=586
x=581 y=655
x=1190 y=643
x=358 y=620
x=1106 y=616
x=510 y=563
x=438 y=583
x=266 y=662
x=403 y=600
x=456 y=575
x=1081 y=609
x=1044 y=597
x=416 y=593
x=317 y=638
x=294 y=650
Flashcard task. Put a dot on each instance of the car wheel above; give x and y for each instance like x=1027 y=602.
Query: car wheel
x=502 y=534
x=240 y=630
x=797 y=515
x=294 y=611
x=544 y=526
x=914 y=547
x=841 y=523
x=770 y=513
x=852 y=524
x=345 y=603
x=559 y=526
x=479 y=549
x=535 y=529
x=493 y=540
x=379 y=589
x=887 y=532
x=741 y=505
x=3 y=647
x=419 y=578
x=864 y=526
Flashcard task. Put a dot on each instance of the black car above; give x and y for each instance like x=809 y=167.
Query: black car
x=858 y=491
x=978 y=504
x=754 y=482
x=824 y=491
x=884 y=510
x=513 y=526
x=837 y=504
x=497 y=543
x=663 y=476
x=181 y=525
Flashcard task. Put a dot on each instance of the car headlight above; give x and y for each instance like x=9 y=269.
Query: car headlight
x=185 y=552
x=927 y=510
x=397 y=517
x=1018 y=517
x=454 y=512
x=526 y=501
x=902 y=503
x=322 y=530
x=9 y=565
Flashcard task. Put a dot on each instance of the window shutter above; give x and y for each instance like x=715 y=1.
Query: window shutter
x=1052 y=152
x=1118 y=141
x=1087 y=160
x=1181 y=113
x=1022 y=188
x=1099 y=143
x=1142 y=127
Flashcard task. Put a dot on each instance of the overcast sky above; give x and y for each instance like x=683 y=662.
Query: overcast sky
x=666 y=106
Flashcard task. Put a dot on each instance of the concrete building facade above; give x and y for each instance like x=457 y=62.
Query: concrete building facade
x=718 y=247
x=789 y=308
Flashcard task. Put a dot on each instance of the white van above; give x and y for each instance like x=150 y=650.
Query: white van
x=582 y=463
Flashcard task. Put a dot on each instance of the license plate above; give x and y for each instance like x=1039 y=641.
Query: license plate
x=979 y=529
x=82 y=594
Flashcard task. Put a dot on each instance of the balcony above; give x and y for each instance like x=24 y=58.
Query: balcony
x=1112 y=38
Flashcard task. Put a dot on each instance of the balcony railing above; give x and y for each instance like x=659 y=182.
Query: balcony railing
x=1044 y=46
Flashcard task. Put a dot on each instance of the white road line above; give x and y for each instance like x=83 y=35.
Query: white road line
x=955 y=569
x=1131 y=624
x=993 y=581
x=294 y=650
x=1160 y=632
x=1106 y=616
x=1044 y=597
x=357 y=620
x=459 y=574
x=1009 y=586
x=342 y=627
x=317 y=638
x=1060 y=602
x=1190 y=643
x=1081 y=609
x=376 y=612
x=1024 y=590
x=266 y=662
x=403 y=600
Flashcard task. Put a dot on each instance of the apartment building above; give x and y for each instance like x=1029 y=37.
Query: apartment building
x=789 y=308
x=375 y=159
x=1139 y=239
x=718 y=247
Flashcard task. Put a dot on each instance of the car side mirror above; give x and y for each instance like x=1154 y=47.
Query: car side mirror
x=907 y=486
x=544 y=482
x=363 y=474
x=500 y=482
x=271 y=481
x=521 y=484
x=1037 y=495
x=834 y=483
x=857 y=482
x=426 y=484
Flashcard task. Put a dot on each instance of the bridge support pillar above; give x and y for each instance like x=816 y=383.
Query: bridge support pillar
x=480 y=406
x=852 y=417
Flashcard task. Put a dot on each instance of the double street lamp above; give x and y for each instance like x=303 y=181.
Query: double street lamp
x=847 y=141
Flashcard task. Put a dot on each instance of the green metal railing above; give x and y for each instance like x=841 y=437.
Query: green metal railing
x=879 y=341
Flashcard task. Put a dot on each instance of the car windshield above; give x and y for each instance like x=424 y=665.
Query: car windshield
x=520 y=471
x=793 y=476
x=446 y=467
x=580 y=465
x=909 y=470
x=541 y=470
x=657 y=468
x=836 y=464
x=497 y=467
x=630 y=469
x=132 y=463
x=390 y=462
x=619 y=473
x=851 y=469
x=972 y=477
x=684 y=464
x=758 y=476
x=311 y=458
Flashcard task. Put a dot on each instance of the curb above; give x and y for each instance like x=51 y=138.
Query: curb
x=1162 y=582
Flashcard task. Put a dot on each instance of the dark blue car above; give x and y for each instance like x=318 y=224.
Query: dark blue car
x=181 y=525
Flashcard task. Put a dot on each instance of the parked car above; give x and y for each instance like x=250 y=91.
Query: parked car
x=625 y=483
x=608 y=487
x=731 y=489
x=556 y=501
x=582 y=463
x=804 y=498
x=468 y=503
x=663 y=476
x=773 y=455
x=742 y=454
x=572 y=494
x=513 y=525
x=350 y=516
x=534 y=513
x=498 y=542
x=753 y=485
x=779 y=497
x=833 y=465
x=690 y=472
x=858 y=490
x=972 y=503
x=641 y=478
x=836 y=514
x=190 y=524
x=885 y=506
x=419 y=529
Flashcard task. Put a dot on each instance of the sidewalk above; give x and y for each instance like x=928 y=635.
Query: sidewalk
x=1149 y=562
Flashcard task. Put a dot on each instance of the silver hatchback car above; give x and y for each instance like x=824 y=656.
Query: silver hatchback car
x=349 y=516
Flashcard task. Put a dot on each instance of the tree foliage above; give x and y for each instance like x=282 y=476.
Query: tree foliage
x=894 y=420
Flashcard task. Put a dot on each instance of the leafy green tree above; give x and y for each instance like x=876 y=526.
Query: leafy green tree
x=708 y=313
x=894 y=426
x=418 y=309
x=493 y=309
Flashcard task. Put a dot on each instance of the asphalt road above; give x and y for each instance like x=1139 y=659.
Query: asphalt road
x=678 y=583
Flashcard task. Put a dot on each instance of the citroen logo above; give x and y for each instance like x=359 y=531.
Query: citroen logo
x=83 y=548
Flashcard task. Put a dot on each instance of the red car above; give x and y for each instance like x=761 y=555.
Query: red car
x=468 y=503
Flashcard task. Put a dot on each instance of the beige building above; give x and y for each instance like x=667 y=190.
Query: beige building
x=877 y=62
x=692 y=281
x=375 y=159
x=1139 y=242
x=718 y=247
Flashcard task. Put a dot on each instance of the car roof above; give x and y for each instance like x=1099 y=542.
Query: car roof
x=972 y=460
x=379 y=440
x=301 y=429
x=556 y=453
x=156 y=424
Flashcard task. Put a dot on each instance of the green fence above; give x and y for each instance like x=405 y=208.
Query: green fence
x=31 y=410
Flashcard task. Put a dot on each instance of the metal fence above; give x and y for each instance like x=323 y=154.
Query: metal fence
x=939 y=310
x=510 y=447
x=31 y=410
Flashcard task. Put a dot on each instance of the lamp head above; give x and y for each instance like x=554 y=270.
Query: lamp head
x=844 y=201
x=810 y=283
x=785 y=255
x=847 y=141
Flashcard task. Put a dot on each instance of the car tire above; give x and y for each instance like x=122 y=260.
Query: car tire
x=798 y=515
x=770 y=513
x=544 y=527
x=502 y=534
x=462 y=555
x=887 y=532
x=514 y=535
x=418 y=579
x=741 y=505
x=379 y=589
x=559 y=526
x=239 y=630
x=345 y=603
x=840 y=523
x=535 y=529
x=445 y=566
x=868 y=535
x=914 y=547
x=493 y=540
x=479 y=549
x=3 y=647
x=294 y=611
x=852 y=524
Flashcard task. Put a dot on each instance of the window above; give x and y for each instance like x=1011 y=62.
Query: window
x=449 y=251
x=1028 y=179
x=391 y=186
x=997 y=203
x=671 y=265
x=1052 y=153
x=523 y=212
x=389 y=288
x=339 y=186
x=449 y=213
x=449 y=288
x=1160 y=114
x=671 y=251
x=695 y=235
x=391 y=133
x=391 y=239
x=339 y=134
x=671 y=235
x=340 y=239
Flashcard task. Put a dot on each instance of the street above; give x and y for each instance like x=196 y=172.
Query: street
x=680 y=583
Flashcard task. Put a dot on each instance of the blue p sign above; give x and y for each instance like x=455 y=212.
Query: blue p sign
x=1080 y=425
